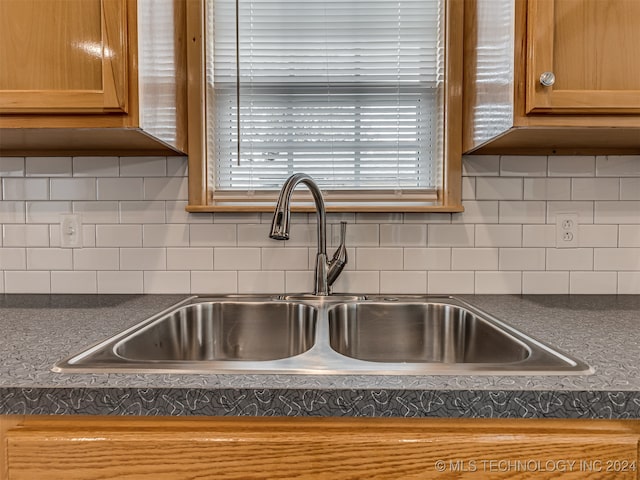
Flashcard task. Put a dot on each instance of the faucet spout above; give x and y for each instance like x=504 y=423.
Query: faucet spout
x=326 y=272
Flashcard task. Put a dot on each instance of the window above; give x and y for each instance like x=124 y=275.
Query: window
x=351 y=92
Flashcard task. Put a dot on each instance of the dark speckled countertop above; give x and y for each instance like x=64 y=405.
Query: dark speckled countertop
x=39 y=330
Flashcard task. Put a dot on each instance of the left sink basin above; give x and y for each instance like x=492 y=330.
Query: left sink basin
x=251 y=330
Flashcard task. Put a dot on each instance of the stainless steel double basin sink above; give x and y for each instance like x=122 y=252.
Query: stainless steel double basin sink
x=374 y=335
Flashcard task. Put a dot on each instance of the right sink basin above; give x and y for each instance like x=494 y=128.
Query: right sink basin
x=420 y=333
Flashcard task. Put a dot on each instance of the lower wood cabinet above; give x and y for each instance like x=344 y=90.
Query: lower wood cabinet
x=70 y=447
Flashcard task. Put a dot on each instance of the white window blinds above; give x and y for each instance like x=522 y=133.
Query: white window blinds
x=348 y=91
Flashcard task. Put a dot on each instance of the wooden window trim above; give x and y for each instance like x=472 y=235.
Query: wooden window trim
x=449 y=194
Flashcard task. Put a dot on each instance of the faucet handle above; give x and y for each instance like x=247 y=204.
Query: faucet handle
x=339 y=260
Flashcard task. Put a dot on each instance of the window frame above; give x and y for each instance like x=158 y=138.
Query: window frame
x=449 y=193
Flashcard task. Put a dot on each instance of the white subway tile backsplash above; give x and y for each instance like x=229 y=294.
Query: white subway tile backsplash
x=73 y=189
x=593 y=283
x=569 y=259
x=358 y=235
x=143 y=259
x=385 y=258
x=142 y=212
x=120 y=282
x=25 y=188
x=498 y=283
x=97 y=212
x=498 y=235
x=12 y=212
x=257 y=235
x=190 y=258
x=48 y=166
x=403 y=282
x=427 y=259
x=96 y=259
x=261 y=281
x=572 y=166
x=620 y=259
x=143 y=166
x=74 y=282
x=382 y=217
x=177 y=166
x=618 y=166
x=27 y=282
x=468 y=188
x=298 y=282
x=623 y=212
x=25 y=235
x=46 y=212
x=474 y=259
x=477 y=212
x=294 y=258
x=358 y=282
x=523 y=166
x=118 y=235
x=522 y=259
x=547 y=189
x=522 y=212
x=450 y=282
x=480 y=165
x=203 y=282
x=237 y=258
x=629 y=283
x=629 y=236
x=49 y=259
x=598 y=235
x=12 y=167
x=165 y=188
x=499 y=188
x=13 y=259
x=221 y=235
x=137 y=236
x=96 y=167
x=451 y=236
x=165 y=235
x=584 y=209
x=167 y=282
x=407 y=235
x=538 y=283
x=630 y=188
x=595 y=188
x=120 y=188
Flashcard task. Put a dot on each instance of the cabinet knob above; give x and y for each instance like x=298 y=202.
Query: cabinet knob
x=547 y=79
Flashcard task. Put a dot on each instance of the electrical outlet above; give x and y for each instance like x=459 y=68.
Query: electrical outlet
x=567 y=230
x=70 y=231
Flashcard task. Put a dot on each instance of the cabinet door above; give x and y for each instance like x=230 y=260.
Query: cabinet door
x=63 y=56
x=590 y=48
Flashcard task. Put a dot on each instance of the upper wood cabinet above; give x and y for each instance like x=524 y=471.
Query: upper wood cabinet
x=582 y=56
x=92 y=77
x=71 y=58
x=552 y=77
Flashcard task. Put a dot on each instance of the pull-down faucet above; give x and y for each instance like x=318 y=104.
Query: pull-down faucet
x=326 y=271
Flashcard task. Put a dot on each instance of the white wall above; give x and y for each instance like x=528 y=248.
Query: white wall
x=138 y=238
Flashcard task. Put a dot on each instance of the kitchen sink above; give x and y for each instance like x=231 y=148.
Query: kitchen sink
x=330 y=335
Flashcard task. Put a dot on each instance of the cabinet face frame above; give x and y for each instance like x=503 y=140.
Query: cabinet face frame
x=112 y=97
x=541 y=57
x=81 y=448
